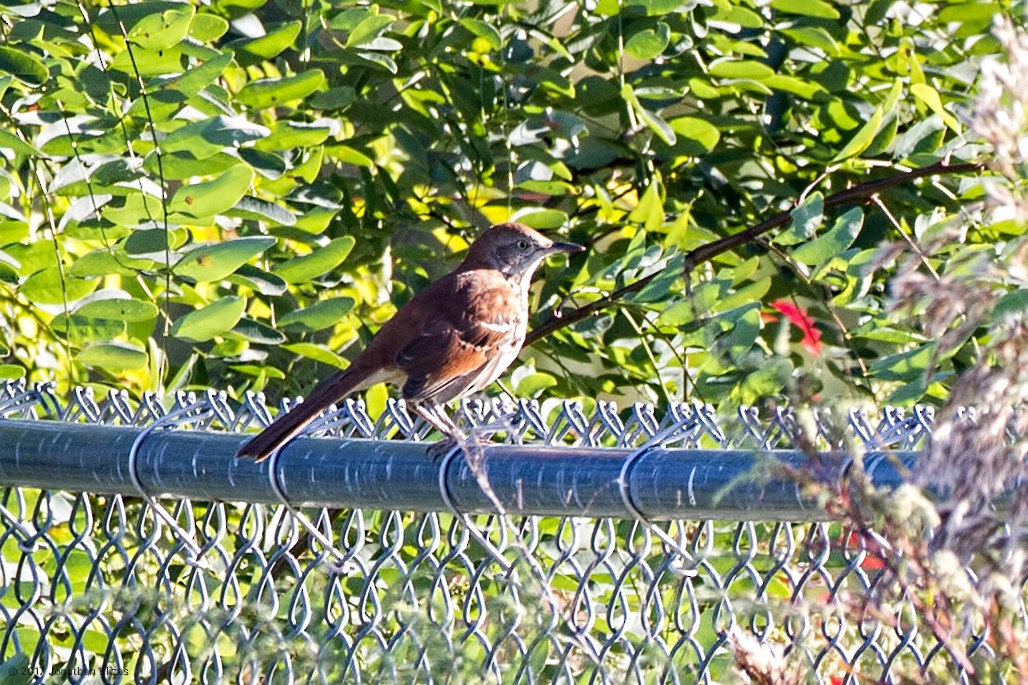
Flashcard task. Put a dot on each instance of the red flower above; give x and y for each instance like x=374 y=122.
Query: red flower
x=801 y=319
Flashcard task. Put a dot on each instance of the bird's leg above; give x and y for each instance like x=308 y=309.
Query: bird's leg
x=474 y=454
x=437 y=418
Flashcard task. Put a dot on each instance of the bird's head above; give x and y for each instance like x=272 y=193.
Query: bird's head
x=514 y=249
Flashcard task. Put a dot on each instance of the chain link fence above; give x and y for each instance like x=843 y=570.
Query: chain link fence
x=224 y=583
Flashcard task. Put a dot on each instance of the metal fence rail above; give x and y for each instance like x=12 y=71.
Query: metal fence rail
x=630 y=547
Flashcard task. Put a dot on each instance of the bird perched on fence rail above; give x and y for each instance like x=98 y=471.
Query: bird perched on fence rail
x=453 y=338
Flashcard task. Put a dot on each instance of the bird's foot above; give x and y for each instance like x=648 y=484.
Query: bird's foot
x=438 y=450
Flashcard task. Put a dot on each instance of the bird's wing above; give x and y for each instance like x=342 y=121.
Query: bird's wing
x=461 y=341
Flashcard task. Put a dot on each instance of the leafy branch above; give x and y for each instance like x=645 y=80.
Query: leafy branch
x=864 y=192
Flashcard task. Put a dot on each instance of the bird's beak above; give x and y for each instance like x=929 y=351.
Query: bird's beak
x=570 y=248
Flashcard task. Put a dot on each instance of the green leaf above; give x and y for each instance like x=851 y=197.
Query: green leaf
x=822 y=249
x=348 y=155
x=263 y=282
x=980 y=14
x=652 y=121
x=657 y=290
x=318 y=316
x=196 y=79
x=862 y=139
x=892 y=99
x=695 y=136
x=262 y=210
x=256 y=332
x=272 y=43
x=807 y=8
x=319 y=262
x=753 y=292
x=270 y=165
x=316 y=219
x=811 y=90
x=215 y=261
x=271 y=92
x=339 y=97
x=766 y=381
x=309 y=166
x=49 y=286
x=80 y=331
x=212 y=197
x=657 y=125
x=349 y=19
x=182 y=164
x=135 y=210
x=318 y=353
x=105 y=262
x=11 y=372
x=533 y=384
x=806 y=219
x=9 y=140
x=23 y=66
x=732 y=14
x=649 y=42
x=650 y=210
x=885 y=334
x=164 y=30
x=882 y=142
x=208 y=28
x=740 y=69
x=113 y=356
x=912 y=391
x=904 y=366
x=542 y=219
x=930 y=96
x=215 y=319
x=260 y=372
x=876 y=11
x=147 y=242
x=745 y=328
x=814 y=37
x=205 y=138
x=8 y=274
x=1011 y=304
x=368 y=29
x=146 y=63
x=656 y=8
x=291 y=134
x=119 y=309
x=233 y=345
x=484 y=31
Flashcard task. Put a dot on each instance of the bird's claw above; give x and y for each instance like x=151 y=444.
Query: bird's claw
x=438 y=450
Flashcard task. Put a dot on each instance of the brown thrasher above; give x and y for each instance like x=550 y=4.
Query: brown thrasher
x=453 y=338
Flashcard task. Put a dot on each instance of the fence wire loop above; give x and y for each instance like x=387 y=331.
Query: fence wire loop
x=659 y=439
x=273 y=473
x=164 y=423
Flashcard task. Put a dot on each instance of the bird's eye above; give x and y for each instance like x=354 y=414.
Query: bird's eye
x=522 y=244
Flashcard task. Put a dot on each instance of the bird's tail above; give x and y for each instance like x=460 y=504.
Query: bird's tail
x=287 y=425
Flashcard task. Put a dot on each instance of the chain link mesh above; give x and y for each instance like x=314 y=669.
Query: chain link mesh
x=95 y=588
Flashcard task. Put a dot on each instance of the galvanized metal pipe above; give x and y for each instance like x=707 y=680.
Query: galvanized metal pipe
x=663 y=483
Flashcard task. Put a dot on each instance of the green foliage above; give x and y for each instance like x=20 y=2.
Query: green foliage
x=222 y=192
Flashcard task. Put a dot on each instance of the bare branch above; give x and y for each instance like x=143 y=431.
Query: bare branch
x=857 y=194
